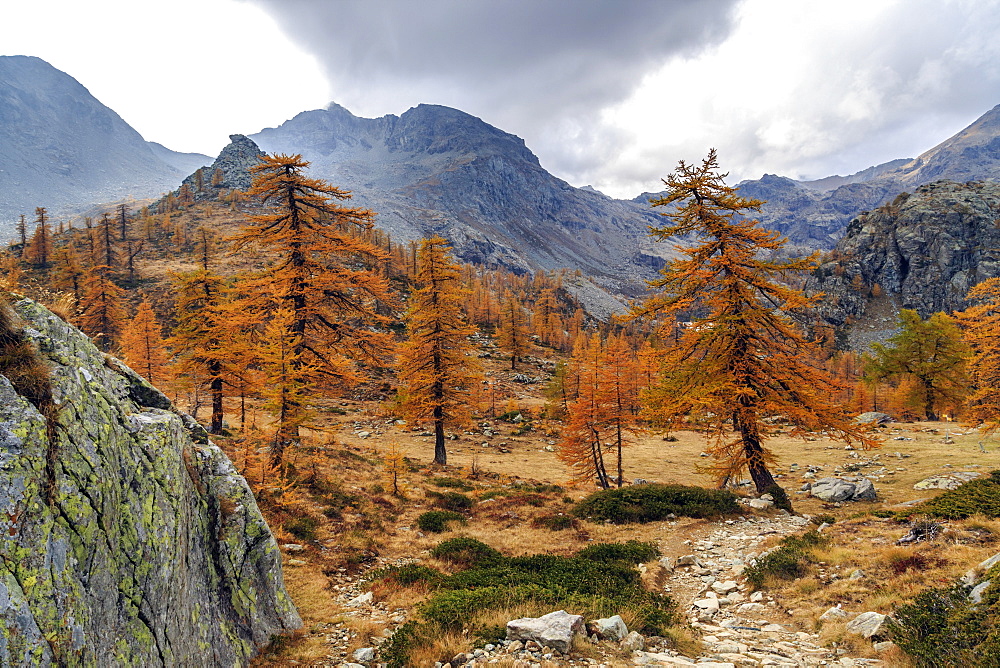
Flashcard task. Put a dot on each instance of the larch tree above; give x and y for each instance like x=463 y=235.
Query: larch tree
x=101 y=311
x=143 y=347
x=436 y=365
x=22 y=232
x=322 y=274
x=981 y=322
x=582 y=445
x=39 y=249
x=512 y=331
x=619 y=392
x=743 y=360
x=928 y=357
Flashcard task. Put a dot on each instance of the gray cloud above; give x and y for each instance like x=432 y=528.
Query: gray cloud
x=540 y=68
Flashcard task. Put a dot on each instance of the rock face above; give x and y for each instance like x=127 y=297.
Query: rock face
x=64 y=150
x=152 y=551
x=833 y=490
x=923 y=252
x=233 y=163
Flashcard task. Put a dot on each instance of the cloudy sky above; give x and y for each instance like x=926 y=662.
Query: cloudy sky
x=606 y=92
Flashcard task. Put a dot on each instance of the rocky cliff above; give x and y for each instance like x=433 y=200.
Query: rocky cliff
x=126 y=537
x=921 y=251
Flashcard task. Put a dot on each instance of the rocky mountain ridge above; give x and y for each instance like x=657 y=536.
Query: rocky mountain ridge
x=64 y=150
x=149 y=550
x=437 y=170
x=922 y=251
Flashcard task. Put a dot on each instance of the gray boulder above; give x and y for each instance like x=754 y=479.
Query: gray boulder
x=633 y=642
x=609 y=628
x=555 y=629
x=947 y=480
x=832 y=490
x=873 y=418
x=868 y=624
x=141 y=545
x=976 y=595
x=864 y=490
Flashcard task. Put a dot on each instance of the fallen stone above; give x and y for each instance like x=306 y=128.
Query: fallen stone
x=947 y=480
x=555 y=629
x=864 y=490
x=608 y=628
x=364 y=654
x=668 y=563
x=726 y=587
x=773 y=628
x=633 y=642
x=884 y=646
x=867 y=624
x=687 y=560
x=363 y=599
x=987 y=564
x=760 y=504
x=710 y=604
x=976 y=595
x=873 y=417
x=832 y=490
x=833 y=614
x=751 y=608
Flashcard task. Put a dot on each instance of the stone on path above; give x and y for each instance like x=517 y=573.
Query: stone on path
x=867 y=624
x=947 y=480
x=609 y=628
x=633 y=642
x=555 y=630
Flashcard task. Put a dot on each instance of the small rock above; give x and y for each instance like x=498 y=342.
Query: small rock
x=293 y=547
x=633 y=641
x=363 y=599
x=608 y=628
x=833 y=614
x=976 y=595
x=884 y=646
x=364 y=654
x=555 y=629
x=668 y=563
x=760 y=504
x=867 y=624
x=724 y=588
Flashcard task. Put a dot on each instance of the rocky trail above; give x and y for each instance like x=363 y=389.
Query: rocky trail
x=703 y=573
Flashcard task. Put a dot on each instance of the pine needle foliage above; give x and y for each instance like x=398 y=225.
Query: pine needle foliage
x=742 y=359
x=436 y=364
x=981 y=322
x=324 y=274
x=143 y=347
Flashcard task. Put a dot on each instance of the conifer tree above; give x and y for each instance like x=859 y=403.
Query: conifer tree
x=101 y=312
x=512 y=334
x=930 y=355
x=743 y=360
x=142 y=345
x=582 y=446
x=69 y=270
x=546 y=322
x=981 y=322
x=436 y=366
x=619 y=392
x=22 y=232
x=288 y=376
x=39 y=249
x=320 y=275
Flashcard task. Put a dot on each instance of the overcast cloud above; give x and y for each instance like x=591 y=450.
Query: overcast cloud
x=614 y=93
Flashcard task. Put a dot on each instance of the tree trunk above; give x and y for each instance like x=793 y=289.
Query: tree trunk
x=440 y=454
x=754 y=452
x=216 y=388
x=929 y=401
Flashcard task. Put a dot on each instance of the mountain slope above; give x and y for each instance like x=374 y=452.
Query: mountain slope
x=814 y=214
x=434 y=169
x=63 y=149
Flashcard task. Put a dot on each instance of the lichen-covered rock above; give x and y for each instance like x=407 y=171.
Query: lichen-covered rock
x=152 y=551
x=556 y=629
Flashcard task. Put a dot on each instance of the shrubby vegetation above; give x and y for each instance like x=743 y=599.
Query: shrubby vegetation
x=599 y=581
x=976 y=497
x=651 y=503
x=789 y=561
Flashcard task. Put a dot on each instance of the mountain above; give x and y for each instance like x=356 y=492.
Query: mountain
x=64 y=150
x=434 y=169
x=922 y=251
x=814 y=214
x=128 y=537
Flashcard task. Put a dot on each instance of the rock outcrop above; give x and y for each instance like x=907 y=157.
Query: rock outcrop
x=233 y=165
x=129 y=539
x=922 y=251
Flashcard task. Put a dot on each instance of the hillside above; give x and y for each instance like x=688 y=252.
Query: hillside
x=64 y=150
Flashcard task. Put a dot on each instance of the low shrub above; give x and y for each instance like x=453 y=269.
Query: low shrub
x=454 y=483
x=650 y=503
x=632 y=552
x=824 y=519
x=409 y=575
x=976 y=497
x=454 y=501
x=467 y=552
x=557 y=522
x=789 y=561
x=942 y=627
x=436 y=521
x=780 y=497
x=303 y=528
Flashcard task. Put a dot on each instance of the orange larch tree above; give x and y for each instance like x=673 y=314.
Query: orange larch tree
x=743 y=360
x=619 y=391
x=582 y=445
x=39 y=249
x=981 y=323
x=101 y=312
x=512 y=332
x=142 y=345
x=322 y=274
x=436 y=365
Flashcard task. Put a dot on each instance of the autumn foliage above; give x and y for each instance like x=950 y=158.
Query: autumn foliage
x=739 y=360
x=436 y=366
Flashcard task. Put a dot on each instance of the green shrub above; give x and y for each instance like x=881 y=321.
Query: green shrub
x=942 y=627
x=976 y=497
x=632 y=552
x=780 y=497
x=454 y=501
x=467 y=552
x=436 y=521
x=454 y=483
x=650 y=503
x=788 y=562
x=303 y=528
x=395 y=651
x=825 y=519
x=557 y=522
